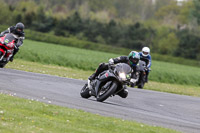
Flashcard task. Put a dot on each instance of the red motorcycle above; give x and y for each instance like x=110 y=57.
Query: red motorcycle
x=7 y=45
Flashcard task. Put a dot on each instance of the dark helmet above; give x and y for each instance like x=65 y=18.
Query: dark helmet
x=134 y=57
x=19 y=28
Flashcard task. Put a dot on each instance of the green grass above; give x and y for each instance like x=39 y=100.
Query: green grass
x=46 y=53
x=27 y=116
x=175 y=73
x=82 y=74
x=173 y=88
x=74 y=42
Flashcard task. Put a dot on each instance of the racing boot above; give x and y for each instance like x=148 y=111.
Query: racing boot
x=123 y=93
x=11 y=59
x=14 y=53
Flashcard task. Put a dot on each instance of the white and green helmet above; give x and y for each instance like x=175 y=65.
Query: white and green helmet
x=134 y=57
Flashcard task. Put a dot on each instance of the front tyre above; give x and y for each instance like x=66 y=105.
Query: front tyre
x=2 y=64
x=142 y=82
x=85 y=92
x=141 y=85
x=104 y=94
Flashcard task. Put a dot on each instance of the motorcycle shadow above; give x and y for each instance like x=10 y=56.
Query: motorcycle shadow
x=108 y=103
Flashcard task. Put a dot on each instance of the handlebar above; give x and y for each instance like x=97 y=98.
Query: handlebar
x=110 y=66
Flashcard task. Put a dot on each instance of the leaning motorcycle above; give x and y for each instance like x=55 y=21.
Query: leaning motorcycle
x=7 y=45
x=140 y=75
x=108 y=83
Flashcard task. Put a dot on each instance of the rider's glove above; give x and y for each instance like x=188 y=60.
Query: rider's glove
x=111 y=61
x=133 y=80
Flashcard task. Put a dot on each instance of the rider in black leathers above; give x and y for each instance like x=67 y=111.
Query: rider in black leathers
x=18 y=31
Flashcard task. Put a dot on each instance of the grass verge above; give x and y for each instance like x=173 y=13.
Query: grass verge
x=49 y=54
x=24 y=116
x=81 y=74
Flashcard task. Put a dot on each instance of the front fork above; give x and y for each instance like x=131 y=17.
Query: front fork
x=1 y=55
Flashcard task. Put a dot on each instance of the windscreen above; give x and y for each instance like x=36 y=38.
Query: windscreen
x=122 y=67
x=141 y=66
x=8 y=38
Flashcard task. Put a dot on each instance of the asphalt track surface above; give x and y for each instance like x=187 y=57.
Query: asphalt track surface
x=178 y=112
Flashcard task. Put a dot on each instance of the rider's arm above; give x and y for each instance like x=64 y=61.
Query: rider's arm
x=4 y=32
x=9 y=30
x=149 y=64
x=20 y=40
x=121 y=59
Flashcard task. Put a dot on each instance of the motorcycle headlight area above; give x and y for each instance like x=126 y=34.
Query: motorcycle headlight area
x=122 y=76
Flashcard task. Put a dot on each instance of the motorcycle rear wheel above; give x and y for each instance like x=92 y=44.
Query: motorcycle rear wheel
x=107 y=93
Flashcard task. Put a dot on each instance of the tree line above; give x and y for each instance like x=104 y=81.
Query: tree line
x=170 y=29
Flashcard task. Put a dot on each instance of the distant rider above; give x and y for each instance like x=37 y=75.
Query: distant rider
x=145 y=56
x=18 y=31
x=132 y=59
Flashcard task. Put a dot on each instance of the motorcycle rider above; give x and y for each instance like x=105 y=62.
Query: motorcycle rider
x=18 y=31
x=132 y=59
x=145 y=56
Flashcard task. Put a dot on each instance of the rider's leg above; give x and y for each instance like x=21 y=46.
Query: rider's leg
x=14 y=53
x=102 y=67
x=147 y=74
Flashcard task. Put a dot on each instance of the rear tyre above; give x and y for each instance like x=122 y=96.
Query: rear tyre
x=85 y=92
x=104 y=94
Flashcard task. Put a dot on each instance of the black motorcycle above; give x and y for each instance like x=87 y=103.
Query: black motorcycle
x=108 y=83
x=140 y=76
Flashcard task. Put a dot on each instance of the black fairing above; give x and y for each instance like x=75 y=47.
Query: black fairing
x=112 y=74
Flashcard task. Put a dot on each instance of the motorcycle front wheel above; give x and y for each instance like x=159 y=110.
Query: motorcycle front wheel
x=141 y=84
x=1 y=63
x=105 y=93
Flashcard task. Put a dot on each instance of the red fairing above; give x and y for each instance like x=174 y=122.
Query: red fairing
x=2 y=40
x=7 y=44
x=11 y=45
x=2 y=50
